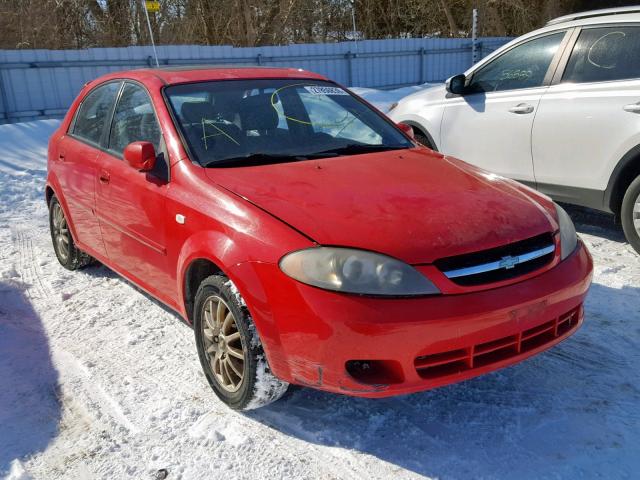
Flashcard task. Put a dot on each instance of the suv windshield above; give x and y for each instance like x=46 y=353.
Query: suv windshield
x=250 y=122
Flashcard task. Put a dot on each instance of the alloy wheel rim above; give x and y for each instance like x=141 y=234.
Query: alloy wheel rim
x=223 y=344
x=61 y=235
x=636 y=214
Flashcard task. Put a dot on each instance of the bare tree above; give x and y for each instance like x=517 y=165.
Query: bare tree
x=92 y=23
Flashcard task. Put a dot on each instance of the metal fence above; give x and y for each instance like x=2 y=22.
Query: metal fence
x=43 y=83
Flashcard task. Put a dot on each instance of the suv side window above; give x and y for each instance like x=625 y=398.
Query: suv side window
x=94 y=112
x=604 y=54
x=134 y=120
x=524 y=66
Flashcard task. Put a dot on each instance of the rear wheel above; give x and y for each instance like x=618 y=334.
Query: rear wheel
x=630 y=214
x=230 y=349
x=69 y=256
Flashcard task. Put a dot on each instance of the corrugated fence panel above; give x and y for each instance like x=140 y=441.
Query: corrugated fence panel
x=43 y=83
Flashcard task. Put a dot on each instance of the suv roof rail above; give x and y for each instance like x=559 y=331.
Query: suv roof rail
x=594 y=13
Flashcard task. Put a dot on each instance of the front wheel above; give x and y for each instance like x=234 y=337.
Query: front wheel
x=230 y=349
x=630 y=214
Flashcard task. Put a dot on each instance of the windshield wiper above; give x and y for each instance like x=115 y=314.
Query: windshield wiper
x=254 y=159
x=269 y=158
x=355 y=149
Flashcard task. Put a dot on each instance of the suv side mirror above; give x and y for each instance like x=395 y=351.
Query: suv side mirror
x=457 y=84
x=407 y=129
x=141 y=156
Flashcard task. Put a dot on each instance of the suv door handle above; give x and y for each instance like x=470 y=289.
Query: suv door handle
x=522 y=108
x=632 y=108
x=104 y=177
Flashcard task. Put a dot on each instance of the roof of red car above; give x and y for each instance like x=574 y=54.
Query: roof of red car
x=184 y=74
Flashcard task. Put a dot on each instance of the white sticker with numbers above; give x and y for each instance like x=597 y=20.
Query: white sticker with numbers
x=319 y=90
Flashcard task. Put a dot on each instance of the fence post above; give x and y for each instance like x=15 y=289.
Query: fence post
x=349 y=56
x=259 y=59
x=4 y=97
x=474 y=37
x=423 y=54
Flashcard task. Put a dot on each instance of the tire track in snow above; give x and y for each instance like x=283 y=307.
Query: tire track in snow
x=93 y=397
x=96 y=400
x=28 y=267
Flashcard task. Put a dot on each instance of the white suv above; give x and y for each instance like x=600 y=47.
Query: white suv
x=557 y=109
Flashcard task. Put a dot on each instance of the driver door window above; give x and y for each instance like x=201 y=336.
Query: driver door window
x=134 y=120
x=524 y=66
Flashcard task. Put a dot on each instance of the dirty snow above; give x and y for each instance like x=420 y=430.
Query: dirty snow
x=97 y=380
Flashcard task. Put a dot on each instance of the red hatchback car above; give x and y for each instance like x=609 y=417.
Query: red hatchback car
x=307 y=238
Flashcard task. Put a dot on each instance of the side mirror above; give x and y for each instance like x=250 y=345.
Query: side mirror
x=407 y=129
x=141 y=156
x=457 y=84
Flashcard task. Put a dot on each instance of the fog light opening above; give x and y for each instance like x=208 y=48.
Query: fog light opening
x=375 y=372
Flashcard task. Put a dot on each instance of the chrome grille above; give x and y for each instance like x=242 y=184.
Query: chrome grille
x=501 y=263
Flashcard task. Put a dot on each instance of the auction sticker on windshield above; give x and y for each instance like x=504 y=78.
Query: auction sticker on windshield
x=318 y=90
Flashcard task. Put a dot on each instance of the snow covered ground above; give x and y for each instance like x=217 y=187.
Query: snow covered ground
x=97 y=380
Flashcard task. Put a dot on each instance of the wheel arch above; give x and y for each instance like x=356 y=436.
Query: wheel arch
x=49 y=191
x=48 y=194
x=626 y=170
x=424 y=131
x=205 y=253
x=196 y=271
x=421 y=125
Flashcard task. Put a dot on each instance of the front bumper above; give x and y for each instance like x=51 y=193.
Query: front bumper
x=411 y=344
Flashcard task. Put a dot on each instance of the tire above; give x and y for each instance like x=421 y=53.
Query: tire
x=630 y=213
x=69 y=256
x=220 y=338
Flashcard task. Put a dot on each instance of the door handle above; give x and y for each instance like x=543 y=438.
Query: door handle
x=632 y=108
x=61 y=157
x=522 y=108
x=104 y=177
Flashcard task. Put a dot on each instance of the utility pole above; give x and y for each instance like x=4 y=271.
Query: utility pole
x=152 y=6
x=353 y=20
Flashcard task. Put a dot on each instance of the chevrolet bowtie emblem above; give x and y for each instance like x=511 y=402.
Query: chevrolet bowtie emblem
x=509 y=262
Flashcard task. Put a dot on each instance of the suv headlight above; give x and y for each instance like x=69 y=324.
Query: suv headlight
x=568 y=236
x=355 y=271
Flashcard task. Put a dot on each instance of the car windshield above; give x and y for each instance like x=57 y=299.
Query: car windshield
x=251 y=122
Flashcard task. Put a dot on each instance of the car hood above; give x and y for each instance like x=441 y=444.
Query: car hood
x=415 y=205
x=429 y=94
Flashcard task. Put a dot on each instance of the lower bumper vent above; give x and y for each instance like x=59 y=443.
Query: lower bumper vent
x=476 y=356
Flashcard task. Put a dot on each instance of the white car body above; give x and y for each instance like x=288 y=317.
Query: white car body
x=577 y=142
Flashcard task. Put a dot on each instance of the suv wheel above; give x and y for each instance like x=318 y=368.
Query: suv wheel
x=69 y=256
x=230 y=349
x=630 y=214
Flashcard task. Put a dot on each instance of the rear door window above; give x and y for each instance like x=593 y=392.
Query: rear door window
x=94 y=111
x=604 y=54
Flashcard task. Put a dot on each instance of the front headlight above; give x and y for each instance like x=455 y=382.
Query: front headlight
x=355 y=271
x=568 y=236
